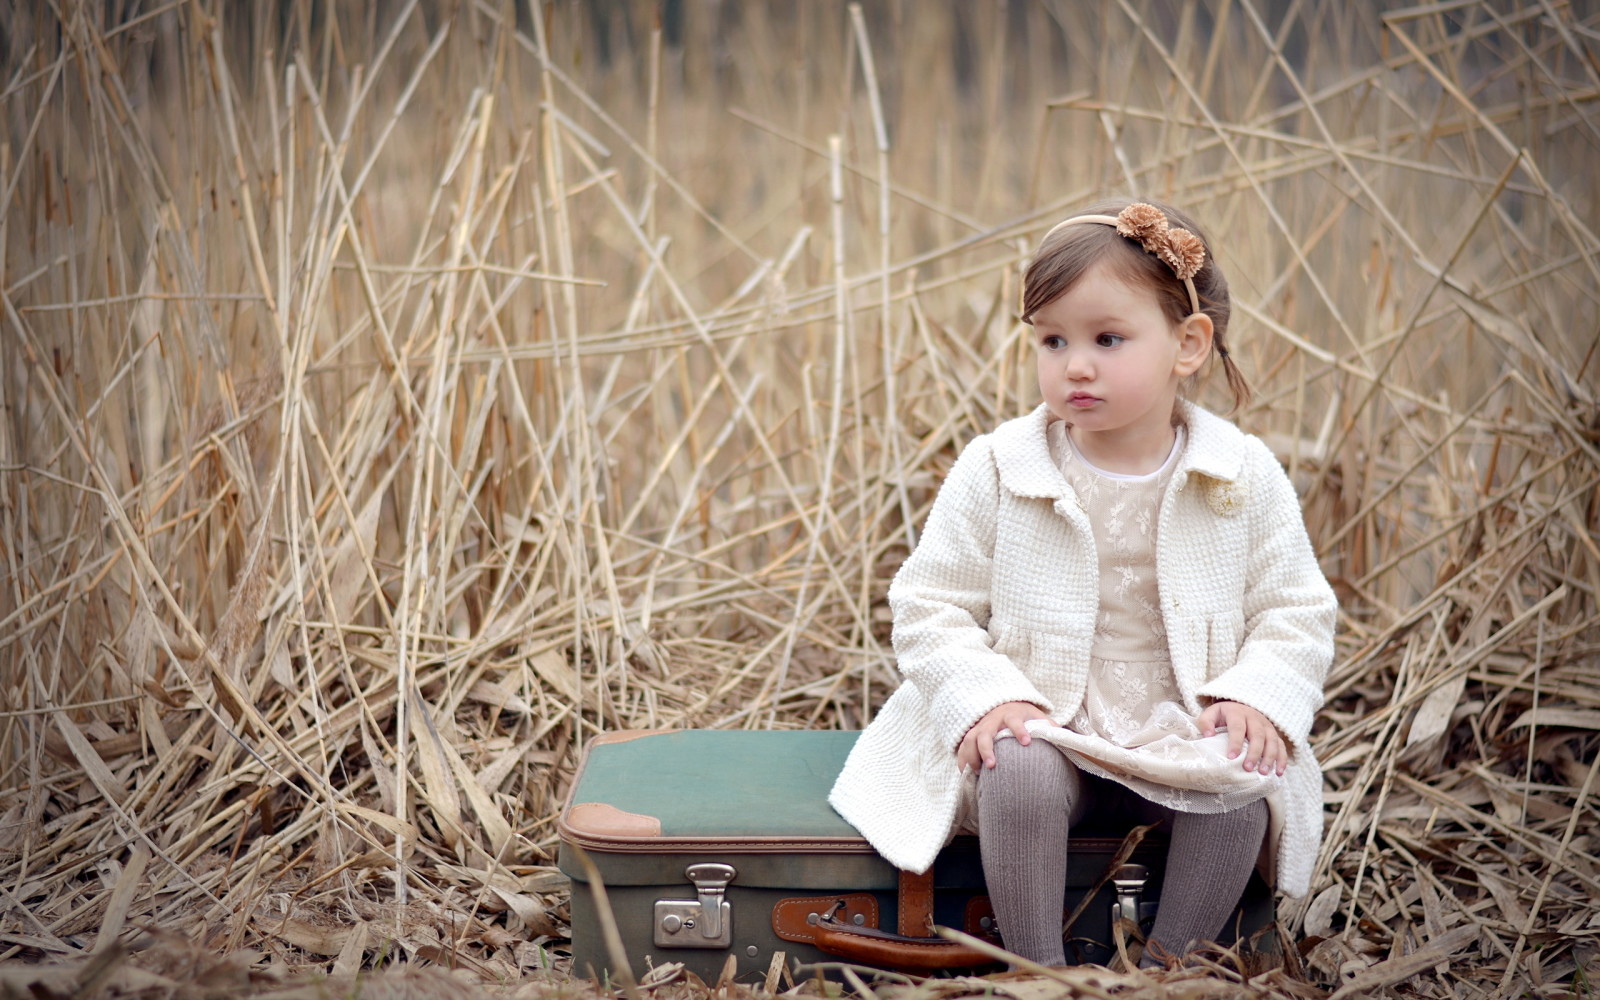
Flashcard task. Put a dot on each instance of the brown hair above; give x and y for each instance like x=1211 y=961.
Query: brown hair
x=1067 y=253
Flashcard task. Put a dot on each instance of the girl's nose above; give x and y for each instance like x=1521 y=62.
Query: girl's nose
x=1078 y=366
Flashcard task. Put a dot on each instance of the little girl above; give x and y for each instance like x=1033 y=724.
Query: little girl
x=1114 y=607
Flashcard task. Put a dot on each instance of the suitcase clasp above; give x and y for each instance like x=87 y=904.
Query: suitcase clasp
x=704 y=922
x=1129 y=881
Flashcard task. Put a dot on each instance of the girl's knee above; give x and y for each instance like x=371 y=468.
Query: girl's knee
x=1247 y=823
x=1038 y=756
x=1029 y=777
x=1008 y=749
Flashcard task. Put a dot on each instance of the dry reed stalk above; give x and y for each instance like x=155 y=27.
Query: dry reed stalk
x=396 y=397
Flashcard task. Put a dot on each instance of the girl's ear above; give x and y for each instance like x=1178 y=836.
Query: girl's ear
x=1194 y=343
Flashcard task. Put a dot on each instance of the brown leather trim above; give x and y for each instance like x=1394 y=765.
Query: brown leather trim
x=626 y=736
x=791 y=918
x=721 y=845
x=869 y=946
x=762 y=845
x=916 y=903
x=600 y=819
x=978 y=908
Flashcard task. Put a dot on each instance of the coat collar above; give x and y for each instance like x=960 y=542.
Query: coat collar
x=1216 y=449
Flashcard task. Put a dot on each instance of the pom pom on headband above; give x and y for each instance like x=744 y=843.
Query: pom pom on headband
x=1179 y=249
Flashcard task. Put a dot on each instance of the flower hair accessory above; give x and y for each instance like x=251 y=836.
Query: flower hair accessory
x=1146 y=224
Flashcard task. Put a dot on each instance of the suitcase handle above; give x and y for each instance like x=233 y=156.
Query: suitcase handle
x=886 y=949
x=904 y=951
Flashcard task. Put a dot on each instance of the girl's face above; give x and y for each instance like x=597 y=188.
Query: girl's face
x=1110 y=363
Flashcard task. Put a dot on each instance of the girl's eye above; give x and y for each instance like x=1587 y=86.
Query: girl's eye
x=1052 y=343
x=1109 y=339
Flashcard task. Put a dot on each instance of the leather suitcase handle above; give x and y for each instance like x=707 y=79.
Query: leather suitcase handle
x=871 y=946
x=907 y=951
x=798 y=919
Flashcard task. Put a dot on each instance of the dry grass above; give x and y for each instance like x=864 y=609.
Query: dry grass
x=392 y=399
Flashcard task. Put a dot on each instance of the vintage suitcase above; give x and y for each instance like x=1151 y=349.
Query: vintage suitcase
x=711 y=843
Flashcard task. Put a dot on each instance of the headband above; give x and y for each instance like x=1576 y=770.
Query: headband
x=1180 y=249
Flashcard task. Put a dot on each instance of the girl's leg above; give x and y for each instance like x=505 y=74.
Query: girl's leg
x=1025 y=806
x=1208 y=864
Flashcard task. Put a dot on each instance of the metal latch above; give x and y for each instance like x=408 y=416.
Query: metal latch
x=705 y=922
x=1129 y=882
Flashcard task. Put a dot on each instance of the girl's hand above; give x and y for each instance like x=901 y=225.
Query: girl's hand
x=977 y=747
x=1268 y=752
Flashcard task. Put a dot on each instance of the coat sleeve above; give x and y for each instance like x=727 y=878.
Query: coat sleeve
x=940 y=601
x=1289 y=609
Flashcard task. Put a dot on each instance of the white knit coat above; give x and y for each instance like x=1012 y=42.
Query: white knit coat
x=998 y=603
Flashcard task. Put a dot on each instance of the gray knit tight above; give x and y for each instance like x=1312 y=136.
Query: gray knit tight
x=1026 y=806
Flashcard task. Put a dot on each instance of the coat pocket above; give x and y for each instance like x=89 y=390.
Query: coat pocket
x=1056 y=663
x=1202 y=648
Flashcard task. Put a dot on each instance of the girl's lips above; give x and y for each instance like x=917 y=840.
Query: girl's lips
x=1082 y=399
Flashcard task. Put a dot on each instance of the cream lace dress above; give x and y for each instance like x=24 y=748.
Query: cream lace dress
x=1132 y=727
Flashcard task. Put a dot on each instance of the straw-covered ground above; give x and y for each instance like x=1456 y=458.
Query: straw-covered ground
x=396 y=394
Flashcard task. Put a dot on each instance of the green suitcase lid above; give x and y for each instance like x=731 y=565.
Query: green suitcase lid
x=729 y=790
